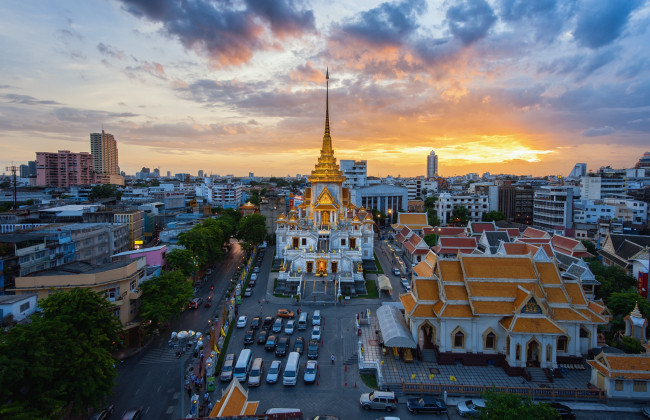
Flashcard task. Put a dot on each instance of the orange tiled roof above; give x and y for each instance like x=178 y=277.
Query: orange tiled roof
x=455 y=292
x=534 y=233
x=625 y=366
x=512 y=232
x=450 y=271
x=437 y=308
x=491 y=307
x=457 y=311
x=408 y=301
x=536 y=326
x=413 y=219
x=516 y=248
x=251 y=408
x=498 y=267
x=445 y=231
x=427 y=289
x=423 y=311
x=499 y=289
x=548 y=273
x=575 y=293
x=567 y=314
x=506 y=322
x=591 y=315
x=480 y=227
x=555 y=295
x=423 y=269
x=431 y=258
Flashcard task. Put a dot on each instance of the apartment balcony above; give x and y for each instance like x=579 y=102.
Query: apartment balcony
x=135 y=294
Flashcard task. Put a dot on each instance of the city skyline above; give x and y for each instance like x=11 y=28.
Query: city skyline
x=239 y=87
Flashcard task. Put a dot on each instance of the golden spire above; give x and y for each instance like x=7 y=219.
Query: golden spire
x=327 y=170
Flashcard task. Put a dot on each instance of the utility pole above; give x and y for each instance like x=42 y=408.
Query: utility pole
x=13 y=169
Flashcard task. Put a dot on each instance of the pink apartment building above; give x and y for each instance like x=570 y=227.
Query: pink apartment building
x=64 y=168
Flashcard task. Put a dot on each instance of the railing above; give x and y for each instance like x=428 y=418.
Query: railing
x=532 y=393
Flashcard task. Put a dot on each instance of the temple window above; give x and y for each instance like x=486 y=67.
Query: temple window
x=304 y=241
x=342 y=242
x=458 y=337
x=549 y=353
x=518 y=352
x=562 y=343
x=490 y=341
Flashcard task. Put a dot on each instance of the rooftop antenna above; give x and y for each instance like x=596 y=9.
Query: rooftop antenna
x=13 y=170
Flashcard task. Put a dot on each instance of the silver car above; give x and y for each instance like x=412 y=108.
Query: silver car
x=470 y=408
x=274 y=372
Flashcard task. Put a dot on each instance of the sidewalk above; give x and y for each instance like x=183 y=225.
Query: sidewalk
x=577 y=406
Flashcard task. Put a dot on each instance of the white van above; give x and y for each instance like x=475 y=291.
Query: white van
x=315 y=320
x=292 y=369
x=302 y=321
x=257 y=371
x=243 y=365
x=282 y=411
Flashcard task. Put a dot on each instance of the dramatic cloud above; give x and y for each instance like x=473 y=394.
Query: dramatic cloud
x=226 y=32
x=601 y=21
x=470 y=20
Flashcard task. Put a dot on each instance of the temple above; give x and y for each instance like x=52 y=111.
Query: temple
x=324 y=240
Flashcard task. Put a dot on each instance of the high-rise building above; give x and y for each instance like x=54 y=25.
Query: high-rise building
x=200 y=173
x=103 y=147
x=432 y=165
x=553 y=208
x=64 y=169
x=516 y=202
x=578 y=171
x=355 y=172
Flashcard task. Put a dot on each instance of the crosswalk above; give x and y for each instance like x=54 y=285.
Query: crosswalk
x=157 y=356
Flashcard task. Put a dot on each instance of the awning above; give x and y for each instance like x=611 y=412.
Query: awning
x=393 y=327
x=384 y=283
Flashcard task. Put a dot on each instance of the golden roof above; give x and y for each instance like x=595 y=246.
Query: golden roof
x=450 y=270
x=592 y=316
x=423 y=269
x=623 y=366
x=498 y=267
x=535 y=326
x=575 y=293
x=555 y=295
x=437 y=308
x=491 y=307
x=416 y=219
x=327 y=170
x=506 y=322
x=455 y=292
x=499 y=288
x=548 y=273
x=408 y=300
x=427 y=289
x=568 y=314
x=423 y=311
x=281 y=216
x=457 y=311
x=356 y=219
x=431 y=258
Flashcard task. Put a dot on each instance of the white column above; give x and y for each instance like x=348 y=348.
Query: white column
x=475 y=336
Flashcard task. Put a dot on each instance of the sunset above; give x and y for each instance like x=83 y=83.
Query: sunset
x=238 y=87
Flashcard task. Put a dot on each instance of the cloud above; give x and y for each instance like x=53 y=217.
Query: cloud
x=110 y=51
x=597 y=132
x=546 y=17
x=387 y=24
x=151 y=68
x=225 y=31
x=27 y=100
x=600 y=22
x=470 y=20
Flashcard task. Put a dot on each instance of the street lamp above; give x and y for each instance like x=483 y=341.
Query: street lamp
x=390 y=216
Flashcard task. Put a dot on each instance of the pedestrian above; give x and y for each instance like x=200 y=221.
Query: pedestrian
x=206 y=396
x=332 y=358
x=209 y=408
x=298 y=311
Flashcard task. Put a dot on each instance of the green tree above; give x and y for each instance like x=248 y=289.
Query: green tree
x=432 y=217
x=430 y=202
x=431 y=239
x=630 y=345
x=612 y=279
x=459 y=216
x=493 y=216
x=591 y=247
x=499 y=405
x=182 y=260
x=164 y=297
x=104 y=191
x=252 y=228
x=61 y=361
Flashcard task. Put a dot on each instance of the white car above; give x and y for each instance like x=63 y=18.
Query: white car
x=274 y=372
x=288 y=329
x=254 y=276
x=315 y=334
x=406 y=284
x=470 y=408
x=311 y=370
x=242 y=321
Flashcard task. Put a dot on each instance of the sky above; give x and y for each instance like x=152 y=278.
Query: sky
x=237 y=86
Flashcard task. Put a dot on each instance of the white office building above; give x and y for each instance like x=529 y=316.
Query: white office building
x=432 y=165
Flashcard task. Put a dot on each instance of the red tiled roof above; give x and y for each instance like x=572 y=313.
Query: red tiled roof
x=534 y=233
x=512 y=232
x=445 y=231
x=481 y=227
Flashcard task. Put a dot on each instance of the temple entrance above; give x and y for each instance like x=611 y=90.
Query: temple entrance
x=321 y=267
x=295 y=242
x=532 y=353
x=325 y=218
x=427 y=336
x=310 y=266
x=335 y=266
x=353 y=243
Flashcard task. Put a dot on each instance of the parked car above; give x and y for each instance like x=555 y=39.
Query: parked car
x=256 y=269
x=284 y=313
x=426 y=405
x=397 y=272
x=255 y=322
x=315 y=320
x=563 y=411
x=379 y=400
x=242 y=321
x=261 y=337
x=227 y=368
x=277 y=326
x=274 y=372
x=288 y=329
x=470 y=408
x=249 y=337
x=405 y=284
x=282 y=347
x=268 y=321
x=252 y=283
x=104 y=413
x=315 y=334
x=133 y=414
x=271 y=342
x=311 y=370
x=248 y=292
x=254 y=276
x=312 y=349
x=645 y=412
x=299 y=345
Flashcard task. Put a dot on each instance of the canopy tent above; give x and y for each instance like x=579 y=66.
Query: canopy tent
x=393 y=327
x=384 y=283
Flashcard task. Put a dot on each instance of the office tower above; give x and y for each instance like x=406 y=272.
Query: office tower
x=578 y=171
x=200 y=173
x=64 y=169
x=355 y=172
x=432 y=165
x=103 y=147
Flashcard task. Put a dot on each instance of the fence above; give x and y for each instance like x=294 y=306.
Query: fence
x=532 y=393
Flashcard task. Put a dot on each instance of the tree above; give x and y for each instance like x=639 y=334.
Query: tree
x=104 y=191
x=459 y=216
x=61 y=361
x=612 y=279
x=430 y=202
x=591 y=247
x=431 y=239
x=182 y=260
x=499 y=405
x=164 y=297
x=432 y=218
x=252 y=228
x=493 y=216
